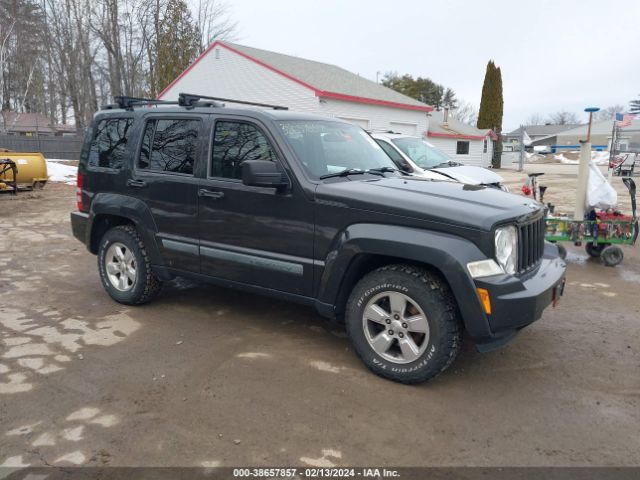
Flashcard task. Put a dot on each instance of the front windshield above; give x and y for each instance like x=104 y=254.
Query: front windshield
x=423 y=154
x=325 y=147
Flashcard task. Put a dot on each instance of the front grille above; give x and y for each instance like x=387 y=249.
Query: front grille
x=530 y=244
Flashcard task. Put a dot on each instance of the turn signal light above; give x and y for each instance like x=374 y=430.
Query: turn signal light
x=485 y=299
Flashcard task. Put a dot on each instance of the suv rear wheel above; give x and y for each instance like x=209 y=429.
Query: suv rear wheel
x=124 y=266
x=404 y=323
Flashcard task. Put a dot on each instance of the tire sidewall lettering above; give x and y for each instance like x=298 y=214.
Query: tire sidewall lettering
x=383 y=286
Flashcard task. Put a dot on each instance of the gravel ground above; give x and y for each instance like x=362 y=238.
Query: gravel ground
x=204 y=376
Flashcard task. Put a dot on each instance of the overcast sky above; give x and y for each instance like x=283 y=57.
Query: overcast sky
x=554 y=55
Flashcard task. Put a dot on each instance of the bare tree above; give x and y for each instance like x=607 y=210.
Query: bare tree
x=64 y=58
x=563 y=118
x=465 y=112
x=214 y=22
x=534 y=119
x=608 y=113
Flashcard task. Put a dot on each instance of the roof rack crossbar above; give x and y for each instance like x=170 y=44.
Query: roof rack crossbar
x=190 y=100
x=127 y=103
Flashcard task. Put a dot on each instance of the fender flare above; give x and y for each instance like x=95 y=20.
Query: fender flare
x=132 y=209
x=449 y=254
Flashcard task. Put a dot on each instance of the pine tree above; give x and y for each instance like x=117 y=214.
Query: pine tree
x=422 y=89
x=449 y=99
x=178 y=42
x=492 y=107
x=635 y=106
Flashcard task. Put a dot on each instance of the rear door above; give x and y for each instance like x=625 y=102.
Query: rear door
x=253 y=235
x=163 y=176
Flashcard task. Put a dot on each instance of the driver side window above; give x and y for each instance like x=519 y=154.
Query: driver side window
x=234 y=143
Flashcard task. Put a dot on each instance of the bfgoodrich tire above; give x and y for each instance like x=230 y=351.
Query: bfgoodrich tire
x=124 y=267
x=404 y=323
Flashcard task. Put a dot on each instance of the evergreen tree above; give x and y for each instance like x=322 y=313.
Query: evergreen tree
x=492 y=107
x=635 y=106
x=422 y=89
x=449 y=99
x=177 y=44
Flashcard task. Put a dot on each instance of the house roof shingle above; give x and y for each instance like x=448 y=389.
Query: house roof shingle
x=454 y=128
x=16 y=122
x=542 y=129
x=325 y=79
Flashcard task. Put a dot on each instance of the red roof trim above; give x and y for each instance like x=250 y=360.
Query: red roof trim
x=458 y=135
x=318 y=93
x=372 y=101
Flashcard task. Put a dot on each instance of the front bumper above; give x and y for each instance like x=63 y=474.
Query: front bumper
x=519 y=301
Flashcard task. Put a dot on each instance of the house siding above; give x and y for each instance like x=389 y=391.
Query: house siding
x=475 y=156
x=379 y=117
x=228 y=75
x=223 y=73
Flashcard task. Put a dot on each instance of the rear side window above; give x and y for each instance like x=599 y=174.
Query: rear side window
x=169 y=146
x=234 y=143
x=110 y=143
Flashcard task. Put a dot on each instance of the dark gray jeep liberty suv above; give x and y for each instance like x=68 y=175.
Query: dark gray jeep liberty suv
x=311 y=210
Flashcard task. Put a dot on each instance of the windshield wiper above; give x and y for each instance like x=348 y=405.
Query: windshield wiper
x=343 y=173
x=449 y=163
x=383 y=170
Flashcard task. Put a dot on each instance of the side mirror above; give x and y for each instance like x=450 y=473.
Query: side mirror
x=263 y=173
x=405 y=167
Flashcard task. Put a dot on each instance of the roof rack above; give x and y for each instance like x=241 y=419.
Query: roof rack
x=127 y=103
x=191 y=100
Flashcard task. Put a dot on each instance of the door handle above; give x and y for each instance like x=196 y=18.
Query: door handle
x=208 y=193
x=136 y=183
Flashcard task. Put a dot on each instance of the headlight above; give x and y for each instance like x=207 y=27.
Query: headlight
x=506 y=242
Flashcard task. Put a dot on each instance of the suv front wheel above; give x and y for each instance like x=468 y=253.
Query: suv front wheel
x=404 y=323
x=124 y=267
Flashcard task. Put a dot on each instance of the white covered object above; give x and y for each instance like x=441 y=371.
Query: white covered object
x=600 y=194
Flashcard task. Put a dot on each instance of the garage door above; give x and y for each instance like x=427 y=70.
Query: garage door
x=361 y=122
x=404 y=128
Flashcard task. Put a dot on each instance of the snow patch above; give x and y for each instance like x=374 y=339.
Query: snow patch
x=59 y=172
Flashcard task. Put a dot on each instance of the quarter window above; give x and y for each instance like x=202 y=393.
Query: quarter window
x=170 y=146
x=233 y=144
x=462 y=148
x=110 y=143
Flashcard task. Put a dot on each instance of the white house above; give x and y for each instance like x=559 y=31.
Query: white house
x=228 y=70
x=464 y=143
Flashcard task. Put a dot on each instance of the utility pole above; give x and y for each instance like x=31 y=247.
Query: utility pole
x=521 y=159
x=612 y=150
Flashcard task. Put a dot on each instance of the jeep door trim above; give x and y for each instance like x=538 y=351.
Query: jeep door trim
x=260 y=261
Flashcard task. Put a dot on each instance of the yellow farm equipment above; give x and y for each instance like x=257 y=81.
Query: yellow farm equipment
x=22 y=170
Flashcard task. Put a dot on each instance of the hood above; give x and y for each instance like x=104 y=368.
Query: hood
x=431 y=200
x=470 y=174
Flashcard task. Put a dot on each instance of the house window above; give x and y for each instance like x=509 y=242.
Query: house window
x=484 y=146
x=462 y=148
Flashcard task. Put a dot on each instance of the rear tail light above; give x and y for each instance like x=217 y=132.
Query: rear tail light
x=79 y=201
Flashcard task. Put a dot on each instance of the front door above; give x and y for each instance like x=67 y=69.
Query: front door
x=252 y=235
